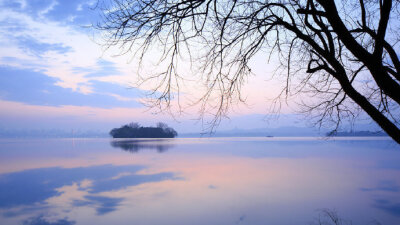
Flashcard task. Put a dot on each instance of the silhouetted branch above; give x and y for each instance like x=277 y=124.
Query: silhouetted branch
x=340 y=57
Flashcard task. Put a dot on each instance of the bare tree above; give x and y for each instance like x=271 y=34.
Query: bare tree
x=162 y=125
x=134 y=125
x=329 y=217
x=343 y=53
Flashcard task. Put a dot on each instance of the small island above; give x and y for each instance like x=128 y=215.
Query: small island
x=134 y=130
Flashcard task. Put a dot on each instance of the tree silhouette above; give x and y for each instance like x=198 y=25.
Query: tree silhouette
x=134 y=130
x=342 y=54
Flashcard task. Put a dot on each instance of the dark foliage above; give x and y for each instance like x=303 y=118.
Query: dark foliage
x=133 y=130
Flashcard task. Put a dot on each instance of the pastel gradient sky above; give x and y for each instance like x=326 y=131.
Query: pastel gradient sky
x=53 y=74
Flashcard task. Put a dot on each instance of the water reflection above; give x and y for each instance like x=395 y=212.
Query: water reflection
x=137 y=145
x=383 y=189
x=28 y=190
x=384 y=185
x=226 y=181
x=388 y=206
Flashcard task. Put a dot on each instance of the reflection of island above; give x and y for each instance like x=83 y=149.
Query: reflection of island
x=134 y=130
x=136 y=145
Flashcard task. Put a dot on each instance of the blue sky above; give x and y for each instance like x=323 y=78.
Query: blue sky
x=51 y=69
x=54 y=74
x=35 y=88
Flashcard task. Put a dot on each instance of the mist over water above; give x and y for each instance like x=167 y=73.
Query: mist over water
x=198 y=181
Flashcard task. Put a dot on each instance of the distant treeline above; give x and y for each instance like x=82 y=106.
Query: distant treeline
x=134 y=130
x=358 y=134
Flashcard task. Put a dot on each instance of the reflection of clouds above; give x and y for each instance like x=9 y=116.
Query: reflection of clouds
x=27 y=190
x=212 y=186
x=40 y=220
x=388 y=206
x=103 y=204
x=137 y=145
x=241 y=219
x=126 y=181
x=36 y=185
x=384 y=185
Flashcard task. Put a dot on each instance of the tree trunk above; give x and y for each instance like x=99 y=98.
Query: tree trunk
x=388 y=126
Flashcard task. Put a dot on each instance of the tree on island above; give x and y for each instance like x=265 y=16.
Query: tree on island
x=341 y=57
x=134 y=130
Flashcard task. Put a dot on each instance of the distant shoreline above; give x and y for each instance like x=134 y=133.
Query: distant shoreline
x=275 y=138
x=358 y=134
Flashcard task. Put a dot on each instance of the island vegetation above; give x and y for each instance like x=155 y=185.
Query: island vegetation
x=134 y=130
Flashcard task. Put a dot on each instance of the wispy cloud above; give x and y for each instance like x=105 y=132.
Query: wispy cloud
x=51 y=65
x=35 y=88
x=38 y=36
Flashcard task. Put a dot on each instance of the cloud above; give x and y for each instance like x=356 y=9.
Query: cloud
x=50 y=44
x=38 y=48
x=37 y=36
x=46 y=46
x=102 y=204
x=40 y=220
x=36 y=88
x=101 y=69
x=50 y=38
x=71 y=11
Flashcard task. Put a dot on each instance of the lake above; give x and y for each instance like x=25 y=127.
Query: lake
x=208 y=181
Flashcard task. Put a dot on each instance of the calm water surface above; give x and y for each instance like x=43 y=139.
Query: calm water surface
x=198 y=181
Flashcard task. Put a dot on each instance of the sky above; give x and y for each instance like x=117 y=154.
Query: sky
x=54 y=74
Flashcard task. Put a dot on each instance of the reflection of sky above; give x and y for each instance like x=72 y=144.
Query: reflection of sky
x=198 y=181
x=384 y=185
x=35 y=186
x=388 y=206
